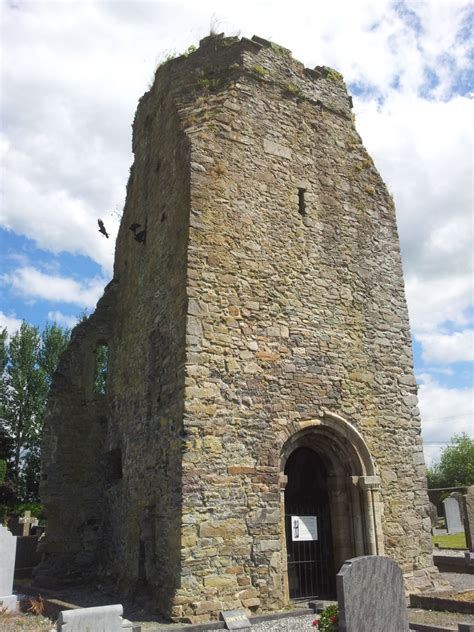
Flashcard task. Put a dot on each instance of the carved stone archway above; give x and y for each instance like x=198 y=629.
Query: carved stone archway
x=354 y=487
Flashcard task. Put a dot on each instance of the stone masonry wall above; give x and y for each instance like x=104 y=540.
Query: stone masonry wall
x=268 y=291
x=289 y=314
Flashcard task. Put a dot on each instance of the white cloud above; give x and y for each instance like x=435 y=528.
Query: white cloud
x=444 y=412
x=424 y=150
x=10 y=322
x=63 y=319
x=433 y=301
x=447 y=348
x=34 y=284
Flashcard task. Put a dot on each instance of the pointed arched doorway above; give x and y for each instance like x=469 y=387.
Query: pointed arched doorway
x=330 y=495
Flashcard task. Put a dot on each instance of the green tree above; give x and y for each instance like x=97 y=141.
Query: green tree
x=3 y=349
x=54 y=340
x=22 y=392
x=29 y=362
x=456 y=465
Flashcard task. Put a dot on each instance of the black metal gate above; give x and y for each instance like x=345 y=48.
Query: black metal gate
x=310 y=562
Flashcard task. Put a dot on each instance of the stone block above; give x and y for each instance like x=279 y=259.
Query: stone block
x=222 y=529
x=254 y=602
x=100 y=618
x=275 y=149
x=220 y=581
x=203 y=607
x=371 y=595
x=233 y=470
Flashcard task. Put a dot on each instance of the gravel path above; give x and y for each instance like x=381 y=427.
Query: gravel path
x=289 y=624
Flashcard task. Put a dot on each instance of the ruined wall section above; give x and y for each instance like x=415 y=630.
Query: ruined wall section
x=292 y=311
x=147 y=391
x=116 y=458
x=73 y=463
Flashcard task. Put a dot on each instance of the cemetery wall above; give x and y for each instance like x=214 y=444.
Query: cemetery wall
x=269 y=292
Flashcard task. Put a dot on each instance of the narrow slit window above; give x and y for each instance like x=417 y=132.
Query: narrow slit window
x=114 y=465
x=101 y=369
x=301 y=201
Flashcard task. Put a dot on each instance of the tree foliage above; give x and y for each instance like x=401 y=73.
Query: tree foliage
x=456 y=465
x=28 y=362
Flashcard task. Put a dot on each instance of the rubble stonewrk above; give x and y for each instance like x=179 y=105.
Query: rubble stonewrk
x=258 y=332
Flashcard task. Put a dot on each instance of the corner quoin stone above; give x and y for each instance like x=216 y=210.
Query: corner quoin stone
x=258 y=314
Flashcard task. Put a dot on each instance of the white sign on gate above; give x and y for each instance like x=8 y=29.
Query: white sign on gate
x=304 y=528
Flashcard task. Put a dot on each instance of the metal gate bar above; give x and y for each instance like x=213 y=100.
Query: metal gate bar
x=310 y=568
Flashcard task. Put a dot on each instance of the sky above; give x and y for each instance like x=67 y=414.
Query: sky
x=72 y=73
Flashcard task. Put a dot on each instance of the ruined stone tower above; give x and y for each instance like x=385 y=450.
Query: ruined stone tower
x=260 y=420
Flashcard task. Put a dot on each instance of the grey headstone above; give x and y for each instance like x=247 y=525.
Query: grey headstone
x=468 y=500
x=7 y=568
x=235 y=620
x=453 y=515
x=99 y=619
x=371 y=595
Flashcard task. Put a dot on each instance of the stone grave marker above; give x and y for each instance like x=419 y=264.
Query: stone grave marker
x=453 y=515
x=99 y=619
x=235 y=620
x=27 y=521
x=468 y=500
x=7 y=566
x=371 y=595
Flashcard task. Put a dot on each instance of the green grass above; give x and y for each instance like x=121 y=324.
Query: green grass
x=453 y=541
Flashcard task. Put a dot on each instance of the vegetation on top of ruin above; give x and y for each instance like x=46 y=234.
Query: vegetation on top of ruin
x=332 y=74
x=292 y=89
x=259 y=70
x=280 y=49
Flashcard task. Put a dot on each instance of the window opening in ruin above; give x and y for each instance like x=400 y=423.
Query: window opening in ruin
x=101 y=369
x=301 y=201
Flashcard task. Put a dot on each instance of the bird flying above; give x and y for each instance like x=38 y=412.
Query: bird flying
x=102 y=228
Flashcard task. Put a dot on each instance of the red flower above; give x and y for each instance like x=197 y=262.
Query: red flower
x=333 y=618
x=316 y=623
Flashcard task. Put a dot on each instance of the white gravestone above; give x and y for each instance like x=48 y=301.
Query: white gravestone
x=7 y=568
x=98 y=619
x=453 y=515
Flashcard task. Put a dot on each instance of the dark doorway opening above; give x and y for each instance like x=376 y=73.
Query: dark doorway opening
x=308 y=527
